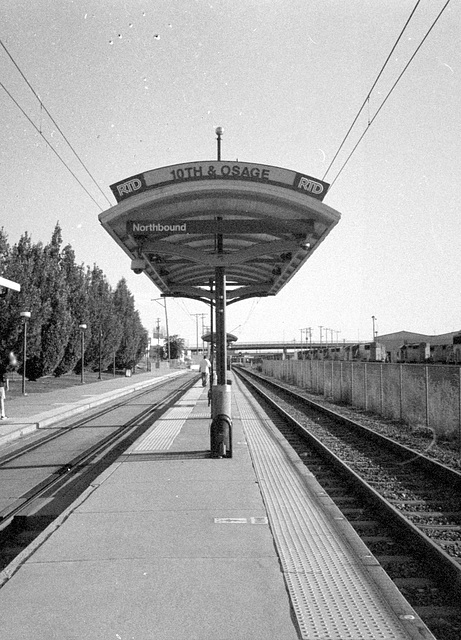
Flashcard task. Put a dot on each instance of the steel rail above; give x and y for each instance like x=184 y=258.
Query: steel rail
x=417 y=457
x=31 y=446
x=419 y=541
x=103 y=447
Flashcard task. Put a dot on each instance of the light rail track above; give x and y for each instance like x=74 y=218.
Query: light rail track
x=406 y=507
x=49 y=472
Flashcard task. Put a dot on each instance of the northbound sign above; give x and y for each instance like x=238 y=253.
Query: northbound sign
x=235 y=171
x=142 y=228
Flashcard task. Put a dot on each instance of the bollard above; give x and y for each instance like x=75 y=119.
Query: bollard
x=221 y=425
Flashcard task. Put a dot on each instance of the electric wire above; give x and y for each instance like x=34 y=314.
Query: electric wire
x=50 y=145
x=367 y=99
x=42 y=106
x=391 y=90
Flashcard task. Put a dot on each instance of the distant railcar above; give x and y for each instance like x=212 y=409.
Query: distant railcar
x=418 y=352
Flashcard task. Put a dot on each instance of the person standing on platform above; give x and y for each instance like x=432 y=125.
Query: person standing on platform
x=204 y=369
x=7 y=363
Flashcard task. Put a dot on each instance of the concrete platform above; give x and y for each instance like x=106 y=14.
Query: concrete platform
x=43 y=410
x=173 y=545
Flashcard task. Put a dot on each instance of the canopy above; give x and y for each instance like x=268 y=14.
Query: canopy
x=268 y=221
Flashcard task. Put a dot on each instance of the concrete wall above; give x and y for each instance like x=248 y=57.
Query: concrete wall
x=418 y=395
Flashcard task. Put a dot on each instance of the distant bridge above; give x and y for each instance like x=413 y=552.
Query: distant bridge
x=282 y=345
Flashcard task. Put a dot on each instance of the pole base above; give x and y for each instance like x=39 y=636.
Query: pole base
x=221 y=437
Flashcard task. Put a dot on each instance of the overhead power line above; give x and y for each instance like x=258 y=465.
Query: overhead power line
x=372 y=87
x=53 y=121
x=391 y=90
x=50 y=145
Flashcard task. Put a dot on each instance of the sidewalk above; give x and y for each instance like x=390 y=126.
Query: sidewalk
x=40 y=410
x=172 y=549
x=168 y=543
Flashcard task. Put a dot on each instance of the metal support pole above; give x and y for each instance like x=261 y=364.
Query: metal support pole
x=100 y=354
x=167 y=333
x=219 y=132
x=426 y=380
x=221 y=343
x=196 y=316
x=221 y=425
x=158 y=343
x=374 y=318
x=24 y=358
x=82 y=349
x=211 y=340
x=365 y=387
x=203 y=343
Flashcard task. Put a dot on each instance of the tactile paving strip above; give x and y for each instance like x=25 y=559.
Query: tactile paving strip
x=162 y=437
x=162 y=434
x=332 y=597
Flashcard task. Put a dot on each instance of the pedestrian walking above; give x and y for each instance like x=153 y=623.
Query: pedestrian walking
x=204 y=368
x=7 y=363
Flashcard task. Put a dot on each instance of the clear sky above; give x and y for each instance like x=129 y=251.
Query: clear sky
x=141 y=84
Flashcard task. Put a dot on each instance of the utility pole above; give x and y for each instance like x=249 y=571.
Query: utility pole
x=374 y=319
x=320 y=327
x=196 y=316
x=203 y=329
x=157 y=300
x=158 y=343
x=308 y=332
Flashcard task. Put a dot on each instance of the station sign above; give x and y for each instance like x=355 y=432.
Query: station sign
x=232 y=171
x=149 y=228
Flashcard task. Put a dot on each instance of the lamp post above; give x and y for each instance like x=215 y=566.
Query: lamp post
x=25 y=315
x=100 y=354
x=82 y=328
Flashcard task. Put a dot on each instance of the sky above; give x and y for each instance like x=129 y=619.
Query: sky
x=142 y=84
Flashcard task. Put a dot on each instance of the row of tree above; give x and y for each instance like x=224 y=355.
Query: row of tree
x=61 y=295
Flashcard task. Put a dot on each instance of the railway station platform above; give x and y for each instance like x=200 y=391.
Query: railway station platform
x=171 y=544
x=39 y=410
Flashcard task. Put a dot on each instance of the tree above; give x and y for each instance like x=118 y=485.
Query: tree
x=104 y=322
x=61 y=295
x=177 y=346
x=77 y=290
x=56 y=326
x=133 y=342
x=22 y=263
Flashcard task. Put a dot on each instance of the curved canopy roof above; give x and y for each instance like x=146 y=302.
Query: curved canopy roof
x=171 y=220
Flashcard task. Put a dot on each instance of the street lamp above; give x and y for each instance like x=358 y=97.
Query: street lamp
x=82 y=328
x=100 y=353
x=374 y=319
x=25 y=315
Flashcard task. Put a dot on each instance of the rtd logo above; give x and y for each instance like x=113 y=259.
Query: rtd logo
x=128 y=187
x=310 y=185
